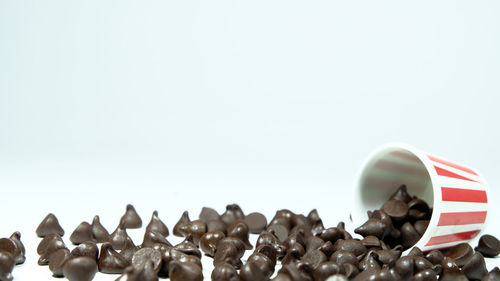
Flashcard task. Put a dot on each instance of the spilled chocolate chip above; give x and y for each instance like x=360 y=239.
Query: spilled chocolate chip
x=184 y=271
x=49 y=225
x=451 y=272
x=49 y=244
x=145 y=273
x=6 y=265
x=57 y=261
x=99 y=233
x=157 y=225
x=488 y=245
x=86 y=249
x=435 y=257
x=280 y=231
x=409 y=236
x=80 y=269
x=216 y=225
x=224 y=272
x=425 y=275
x=233 y=213
x=129 y=249
x=396 y=209
x=20 y=257
x=131 y=219
x=152 y=237
x=401 y=194
x=325 y=270
x=240 y=230
x=256 y=222
x=142 y=256
x=350 y=245
x=9 y=245
x=118 y=238
x=110 y=261
x=421 y=226
x=182 y=221
x=195 y=229
x=475 y=267
x=459 y=253
x=493 y=275
x=342 y=257
x=189 y=248
x=209 y=240
x=208 y=214
x=82 y=233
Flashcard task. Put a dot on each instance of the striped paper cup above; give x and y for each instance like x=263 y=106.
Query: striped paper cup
x=457 y=194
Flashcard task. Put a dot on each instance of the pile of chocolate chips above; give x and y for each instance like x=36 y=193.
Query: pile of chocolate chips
x=11 y=254
x=301 y=245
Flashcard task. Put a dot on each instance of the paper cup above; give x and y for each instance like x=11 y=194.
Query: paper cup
x=457 y=194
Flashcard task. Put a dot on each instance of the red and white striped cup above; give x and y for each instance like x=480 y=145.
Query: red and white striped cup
x=457 y=194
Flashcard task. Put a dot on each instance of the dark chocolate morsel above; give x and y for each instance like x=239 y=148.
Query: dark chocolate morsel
x=314 y=258
x=99 y=233
x=188 y=248
x=256 y=222
x=350 y=245
x=267 y=238
x=425 y=275
x=371 y=242
x=184 y=271
x=280 y=231
x=110 y=261
x=451 y=272
x=401 y=194
x=57 y=261
x=49 y=244
x=299 y=271
x=82 y=233
x=225 y=272
x=337 y=277
x=342 y=257
x=313 y=243
x=216 y=225
x=350 y=270
x=6 y=265
x=145 y=273
x=232 y=214
x=13 y=248
x=131 y=219
x=182 y=221
x=488 y=245
x=415 y=251
x=373 y=227
x=459 y=253
x=118 y=238
x=257 y=268
x=49 y=225
x=152 y=237
x=409 y=236
x=157 y=225
x=16 y=237
x=493 y=275
x=195 y=229
x=327 y=248
x=240 y=230
x=369 y=261
x=129 y=249
x=435 y=257
x=315 y=222
x=86 y=249
x=227 y=253
x=80 y=269
x=396 y=209
x=389 y=256
x=208 y=214
x=209 y=240
x=421 y=226
x=475 y=267
x=142 y=256
x=331 y=234
x=325 y=270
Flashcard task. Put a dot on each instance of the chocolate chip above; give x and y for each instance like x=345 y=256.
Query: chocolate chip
x=475 y=267
x=425 y=275
x=435 y=257
x=371 y=242
x=415 y=251
x=451 y=272
x=99 y=233
x=421 y=226
x=157 y=225
x=293 y=254
x=233 y=213
x=118 y=238
x=459 y=253
x=350 y=270
x=86 y=249
x=142 y=256
x=131 y=219
x=267 y=238
x=396 y=209
x=298 y=272
x=49 y=244
x=49 y=225
x=315 y=222
x=314 y=258
x=240 y=230
x=80 y=269
x=152 y=237
x=182 y=221
x=188 y=247
x=82 y=233
x=225 y=272
x=327 y=248
x=208 y=214
x=209 y=240
x=409 y=236
x=216 y=225
x=390 y=256
x=369 y=261
x=129 y=249
x=228 y=252
x=20 y=257
x=313 y=243
x=350 y=245
x=195 y=229
x=401 y=194
x=372 y=227
x=145 y=273
x=186 y=271
x=258 y=267
x=6 y=265
x=325 y=270
x=342 y=257
x=488 y=245
x=493 y=275
x=9 y=245
x=280 y=231
x=110 y=261
x=57 y=261
x=256 y=222
x=337 y=277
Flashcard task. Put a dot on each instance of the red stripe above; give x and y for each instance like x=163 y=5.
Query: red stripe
x=436 y=240
x=446 y=173
x=463 y=195
x=461 y=218
x=433 y=158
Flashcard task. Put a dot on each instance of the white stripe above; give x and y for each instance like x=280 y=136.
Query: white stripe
x=450 y=206
x=457 y=171
x=452 y=229
x=456 y=183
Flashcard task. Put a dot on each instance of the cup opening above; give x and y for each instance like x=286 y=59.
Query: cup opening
x=386 y=170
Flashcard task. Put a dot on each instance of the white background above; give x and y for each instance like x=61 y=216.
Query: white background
x=175 y=105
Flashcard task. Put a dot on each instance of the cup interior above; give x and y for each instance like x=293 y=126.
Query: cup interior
x=386 y=170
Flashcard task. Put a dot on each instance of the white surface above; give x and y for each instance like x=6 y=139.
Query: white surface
x=153 y=102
